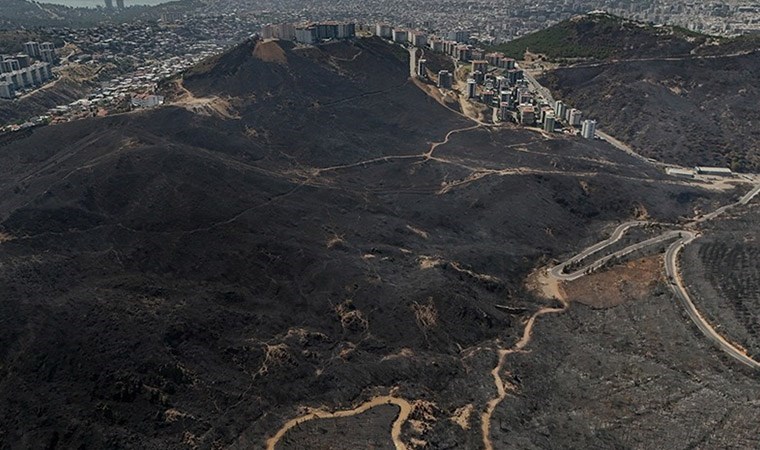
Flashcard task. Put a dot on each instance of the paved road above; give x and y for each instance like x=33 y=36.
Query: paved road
x=677 y=285
x=599 y=263
x=546 y=93
x=671 y=269
x=671 y=58
x=413 y=62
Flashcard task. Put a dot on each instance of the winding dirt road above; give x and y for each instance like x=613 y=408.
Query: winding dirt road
x=501 y=386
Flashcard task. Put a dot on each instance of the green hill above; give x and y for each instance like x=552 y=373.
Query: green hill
x=602 y=36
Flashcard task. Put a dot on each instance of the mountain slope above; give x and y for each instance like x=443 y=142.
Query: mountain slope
x=282 y=235
x=690 y=111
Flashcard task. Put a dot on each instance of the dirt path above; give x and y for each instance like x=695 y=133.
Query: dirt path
x=405 y=408
x=501 y=386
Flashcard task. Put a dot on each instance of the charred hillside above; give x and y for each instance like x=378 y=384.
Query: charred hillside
x=691 y=110
x=283 y=235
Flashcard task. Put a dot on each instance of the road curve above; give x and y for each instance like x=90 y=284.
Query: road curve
x=685 y=237
x=677 y=285
x=557 y=271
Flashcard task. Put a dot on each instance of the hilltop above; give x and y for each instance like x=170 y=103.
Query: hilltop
x=305 y=227
x=605 y=36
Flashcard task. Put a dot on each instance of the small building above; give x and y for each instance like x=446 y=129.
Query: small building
x=147 y=100
x=681 y=173
x=717 y=171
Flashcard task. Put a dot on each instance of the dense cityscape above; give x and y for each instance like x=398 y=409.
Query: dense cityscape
x=124 y=61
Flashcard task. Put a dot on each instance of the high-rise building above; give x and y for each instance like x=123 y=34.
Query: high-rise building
x=419 y=39
x=6 y=90
x=306 y=35
x=436 y=45
x=47 y=55
x=445 y=79
x=527 y=114
x=574 y=117
x=422 y=68
x=120 y=4
x=472 y=88
x=384 y=31
x=560 y=109
x=514 y=75
x=588 y=130
x=504 y=111
x=549 y=123
x=480 y=65
x=400 y=36
x=23 y=60
x=32 y=49
x=109 y=4
x=9 y=65
x=459 y=36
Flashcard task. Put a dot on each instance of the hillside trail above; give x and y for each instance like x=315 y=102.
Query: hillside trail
x=405 y=408
x=502 y=386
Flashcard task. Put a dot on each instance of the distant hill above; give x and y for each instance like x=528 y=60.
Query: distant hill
x=602 y=36
x=685 y=99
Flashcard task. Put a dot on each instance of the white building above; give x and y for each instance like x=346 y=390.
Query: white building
x=682 y=173
x=306 y=35
x=471 y=88
x=719 y=171
x=560 y=109
x=147 y=100
x=384 y=31
x=574 y=117
x=588 y=130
